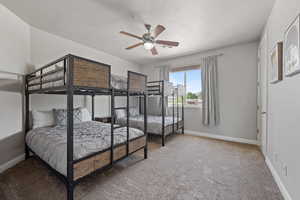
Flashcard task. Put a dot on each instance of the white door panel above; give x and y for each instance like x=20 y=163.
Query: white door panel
x=262 y=95
x=264 y=133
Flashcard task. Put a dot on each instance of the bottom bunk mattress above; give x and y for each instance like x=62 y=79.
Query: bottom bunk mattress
x=154 y=123
x=50 y=143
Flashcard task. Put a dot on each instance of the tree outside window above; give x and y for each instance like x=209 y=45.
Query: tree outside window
x=191 y=80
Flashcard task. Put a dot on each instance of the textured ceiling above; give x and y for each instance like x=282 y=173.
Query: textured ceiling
x=197 y=24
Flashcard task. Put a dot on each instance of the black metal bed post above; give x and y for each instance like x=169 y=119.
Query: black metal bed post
x=177 y=100
x=173 y=110
x=127 y=122
x=182 y=114
x=145 y=126
x=163 y=113
x=112 y=112
x=93 y=107
x=70 y=142
x=27 y=154
x=140 y=104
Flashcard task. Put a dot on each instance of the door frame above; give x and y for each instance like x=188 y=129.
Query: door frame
x=262 y=54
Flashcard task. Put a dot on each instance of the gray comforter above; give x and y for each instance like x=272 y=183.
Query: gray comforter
x=154 y=124
x=50 y=143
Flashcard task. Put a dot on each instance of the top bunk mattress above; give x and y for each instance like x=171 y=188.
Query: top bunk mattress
x=137 y=82
x=153 y=88
x=50 y=143
x=86 y=73
x=118 y=82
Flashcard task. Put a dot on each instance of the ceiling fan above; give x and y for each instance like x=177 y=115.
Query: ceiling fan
x=149 y=39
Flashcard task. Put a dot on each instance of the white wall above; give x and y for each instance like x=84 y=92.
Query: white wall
x=46 y=47
x=237 y=86
x=23 y=48
x=284 y=105
x=14 y=42
x=14 y=56
x=11 y=121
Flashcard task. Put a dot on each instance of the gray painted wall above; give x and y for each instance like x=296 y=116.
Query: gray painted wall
x=237 y=86
x=15 y=42
x=46 y=47
x=11 y=122
x=14 y=57
x=284 y=105
x=30 y=48
x=11 y=147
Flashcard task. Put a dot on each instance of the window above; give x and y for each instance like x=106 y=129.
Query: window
x=191 y=79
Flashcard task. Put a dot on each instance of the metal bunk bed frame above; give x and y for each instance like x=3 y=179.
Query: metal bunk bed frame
x=69 y=89
x=158 y=88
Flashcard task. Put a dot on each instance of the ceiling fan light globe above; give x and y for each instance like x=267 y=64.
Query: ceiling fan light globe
x=148 y=45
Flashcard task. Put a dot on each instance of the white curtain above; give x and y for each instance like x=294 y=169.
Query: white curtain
x=210 y=92
x=164 y=75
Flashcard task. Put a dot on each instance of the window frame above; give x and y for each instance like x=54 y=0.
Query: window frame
x=185 y=70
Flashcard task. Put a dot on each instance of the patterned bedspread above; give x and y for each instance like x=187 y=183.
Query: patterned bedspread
x=50 y=143
x=154 y=124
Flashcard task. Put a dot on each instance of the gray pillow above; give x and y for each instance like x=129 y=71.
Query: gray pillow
x=60 y=116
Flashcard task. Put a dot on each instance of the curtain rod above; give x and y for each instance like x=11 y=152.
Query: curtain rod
x=220 y=54
x=195 y=66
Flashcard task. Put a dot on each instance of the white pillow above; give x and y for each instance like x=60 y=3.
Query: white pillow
x=86 y=117
x=42 y=119
x=121 y=113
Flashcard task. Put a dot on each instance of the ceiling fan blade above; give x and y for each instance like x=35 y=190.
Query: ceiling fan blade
x=167 y=43
x=158 y=30
x=154 y=51
x=131 y=35
x=136 y=45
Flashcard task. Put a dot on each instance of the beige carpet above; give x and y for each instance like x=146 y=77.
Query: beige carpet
x=187 y=168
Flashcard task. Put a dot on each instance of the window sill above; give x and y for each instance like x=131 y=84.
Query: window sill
x=188 y=107
x=193 y=107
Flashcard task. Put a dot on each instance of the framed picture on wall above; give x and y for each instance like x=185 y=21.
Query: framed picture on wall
x=276 y=60
x=291 y=48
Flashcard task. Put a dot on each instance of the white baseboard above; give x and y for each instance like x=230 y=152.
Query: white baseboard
x=280 y=184
x=12 y=163
x=222 y=137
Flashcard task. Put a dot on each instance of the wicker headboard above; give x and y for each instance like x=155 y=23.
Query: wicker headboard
x=136 y=82
x=90 y=73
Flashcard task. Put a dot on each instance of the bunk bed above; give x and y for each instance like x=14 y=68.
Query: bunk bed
x=160 y=124
x=169 y=124
x=78 y=149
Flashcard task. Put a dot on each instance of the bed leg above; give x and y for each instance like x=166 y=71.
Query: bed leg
x=27 y=154
x=163 y=141
x=70 y=191
x=145 y=152
x=182 y=130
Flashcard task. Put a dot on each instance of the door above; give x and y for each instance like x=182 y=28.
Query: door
x=262 y=95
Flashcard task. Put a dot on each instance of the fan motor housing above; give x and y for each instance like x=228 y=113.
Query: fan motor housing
x=148 y=38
